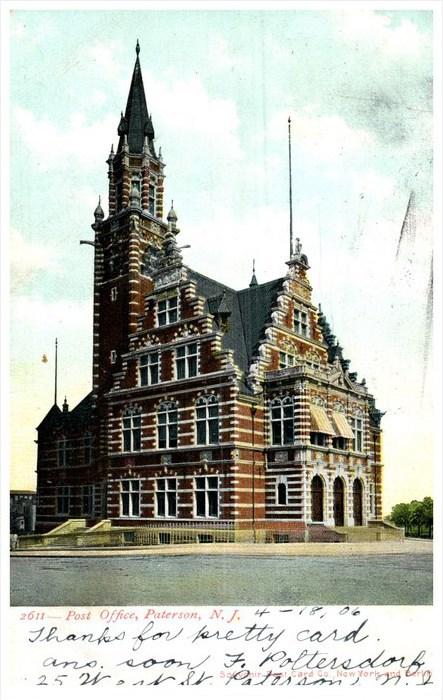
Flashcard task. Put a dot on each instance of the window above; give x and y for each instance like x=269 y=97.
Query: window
x=340 y=443
x=151 y=205
x=206 y=419
x=167 y=311
x=62 y=452
x=282 y=491
x=167 y=418
x=149 y=369
x=166 y=498
x=301 y=322
x=372 y=498
x=320 y=439
x=282 y=421
x=286 y=360
x=113 y=357
x=114 y=294
x=63 y=500
x=186 y=361
x=357 y=429
x=206 y=496
x=132 y=432
x=88 y=499
x=87 y=449
x=130 y=498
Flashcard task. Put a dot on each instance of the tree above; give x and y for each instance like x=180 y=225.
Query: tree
x=400 y=516
x=428 y=511
x=417 y=515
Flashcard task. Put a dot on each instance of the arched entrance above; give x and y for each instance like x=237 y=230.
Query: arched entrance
x=339 y=502
x=357 y=492
x=317 y=499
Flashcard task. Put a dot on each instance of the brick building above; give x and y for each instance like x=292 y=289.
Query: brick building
x=208 y=406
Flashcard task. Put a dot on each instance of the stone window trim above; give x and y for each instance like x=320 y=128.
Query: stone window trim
x=301 y=322
x=168 y=309
x=186 y=360
x=207 y=420
x=167 y=425
x=282 y=421
x=357 y=425
x=206 y=497
x=281 y=490
x=286 y=359
x=149 y=368
x=131 y=430
x=114 y=293
x=130 y=498
x=113 y=357
x=166 y=497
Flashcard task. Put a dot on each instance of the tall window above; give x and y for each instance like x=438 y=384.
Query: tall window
x=132 y=432
x=166 y=498
x=62 y=452
x=167 y=419
x=151 y=205
x=206 y=496
x=186 y=361
x=87 y=448
x=357 y=429
x=167 y=311
x=63 y=500
x=282 y=491
x=88 y=499
x=206 y=418
x=286 y=360
x=301 y=326
x=282 y=421
x=130 y=497
x=149 y=369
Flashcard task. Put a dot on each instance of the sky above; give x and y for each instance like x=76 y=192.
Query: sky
x=220 y=85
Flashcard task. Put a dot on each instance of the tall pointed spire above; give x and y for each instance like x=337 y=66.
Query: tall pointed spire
x=253 y=282
x=136 y=122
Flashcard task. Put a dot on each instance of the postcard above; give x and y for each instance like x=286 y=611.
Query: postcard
x=220 y=348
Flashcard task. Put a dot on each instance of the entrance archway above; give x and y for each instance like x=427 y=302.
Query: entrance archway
x=357 y=492
x=339 y=502
x=317 y=499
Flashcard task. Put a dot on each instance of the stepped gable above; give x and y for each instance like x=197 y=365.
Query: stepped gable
x=250 y=311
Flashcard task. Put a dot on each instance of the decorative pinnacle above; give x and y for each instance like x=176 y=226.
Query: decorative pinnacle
x=137 y=48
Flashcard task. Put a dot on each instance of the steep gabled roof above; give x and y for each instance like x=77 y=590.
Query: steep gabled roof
x=137 y=122
x=250 y=310
x=52 y=418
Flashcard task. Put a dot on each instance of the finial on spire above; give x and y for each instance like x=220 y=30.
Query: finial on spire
x=137 y=48
x=253 y=282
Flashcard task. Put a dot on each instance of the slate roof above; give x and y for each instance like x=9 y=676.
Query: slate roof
x=250 y=311
x=69 y=420
x=137 y=117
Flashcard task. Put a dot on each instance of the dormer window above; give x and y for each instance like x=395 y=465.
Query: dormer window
x=167 y=311
x=301 y=326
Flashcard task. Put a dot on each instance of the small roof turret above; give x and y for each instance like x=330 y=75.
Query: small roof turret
x=99 y=214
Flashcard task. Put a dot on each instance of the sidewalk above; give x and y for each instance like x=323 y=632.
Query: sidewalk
x=310 y=549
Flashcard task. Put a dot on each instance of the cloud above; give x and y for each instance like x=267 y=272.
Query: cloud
x=55 y=147
x=325 y=137
x=27 y=258
x=74 y=316
x=376 y=31
x=104 y=57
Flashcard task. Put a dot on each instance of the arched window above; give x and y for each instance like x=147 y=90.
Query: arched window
x=317 y=499
x=167 y=419
x=206 y=420
x=282 y=491
x=357 y=497
x=132 y=430
x=282 y=421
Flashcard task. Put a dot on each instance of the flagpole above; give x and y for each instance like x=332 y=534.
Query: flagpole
x=55 y=373
x=291 y=246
